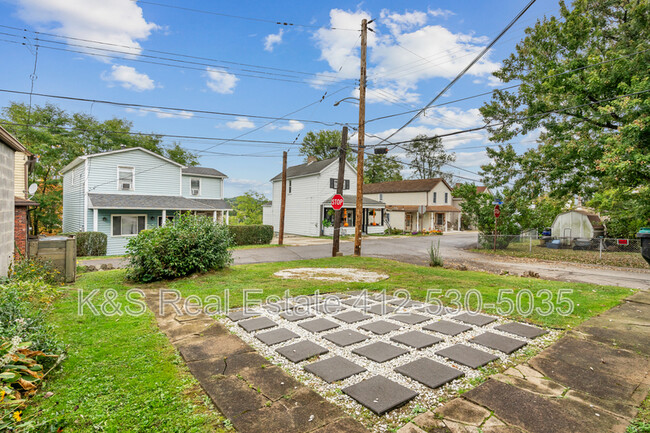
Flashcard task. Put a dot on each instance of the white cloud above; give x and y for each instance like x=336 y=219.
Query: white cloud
x=440 y=13
x=161 y=114
x=129 y=78
x=270 y=41
x=399 y=59
x=241 y=123
x=452 y=117
x=221 y=81
x=117 y=21
x=293 y=126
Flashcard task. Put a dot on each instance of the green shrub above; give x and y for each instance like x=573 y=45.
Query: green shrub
x=435 y=257
x=33 y=269
x=191 y=244
x=90 y=243
x=257 y=234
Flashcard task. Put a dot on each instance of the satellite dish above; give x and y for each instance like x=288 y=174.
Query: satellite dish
x=32 y=189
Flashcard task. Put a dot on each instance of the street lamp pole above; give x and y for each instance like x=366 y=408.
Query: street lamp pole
x=361 y=137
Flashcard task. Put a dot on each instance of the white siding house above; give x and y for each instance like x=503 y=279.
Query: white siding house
x=125 y=191
x=310 y=188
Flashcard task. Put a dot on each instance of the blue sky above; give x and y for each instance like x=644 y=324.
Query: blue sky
x=255 y=67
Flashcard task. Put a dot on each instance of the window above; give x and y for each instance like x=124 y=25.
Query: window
x=128 y=225
x=446 y=197
x=125 y=178
x=439 y=218
x=381 y=197
x=334 y=182
x=195 y=186
x=289 y=187
x=435 y=197
x=170 y=219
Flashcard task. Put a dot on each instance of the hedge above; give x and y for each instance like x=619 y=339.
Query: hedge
x=257 y=234
x=90 y=243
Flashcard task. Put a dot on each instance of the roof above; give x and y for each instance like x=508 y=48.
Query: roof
x=593 y=218
x=11 y=141
x=415 y=208
x=24 y=202
x=203 y=171
x=413 y=185
x=306 y=169
x=147 y=202
x=79 y=159
x=217 y=204
x=349 y=200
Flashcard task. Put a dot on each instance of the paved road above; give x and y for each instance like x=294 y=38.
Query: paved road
x=453 y=248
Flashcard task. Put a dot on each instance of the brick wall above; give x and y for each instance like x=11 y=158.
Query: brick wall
x=20 y=232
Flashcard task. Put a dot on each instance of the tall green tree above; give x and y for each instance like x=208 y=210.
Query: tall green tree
x=428 y=156
x=574 y=70
x=57 y=137
x=324 y=144
x=381 y=168
x=249 y=208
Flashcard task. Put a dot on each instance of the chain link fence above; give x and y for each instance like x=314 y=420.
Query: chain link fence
x=608 y=251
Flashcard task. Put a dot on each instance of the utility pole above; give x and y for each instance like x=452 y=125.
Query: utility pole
x=283 y=200
x=361 y=138
x=339 y=190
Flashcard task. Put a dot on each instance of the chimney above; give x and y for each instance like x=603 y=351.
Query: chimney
x=311 y=159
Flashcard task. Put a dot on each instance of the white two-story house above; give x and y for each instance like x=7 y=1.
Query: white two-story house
x=123 y=192
x=416 y=205
x=310 y=188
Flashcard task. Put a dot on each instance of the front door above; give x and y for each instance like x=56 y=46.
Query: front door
x=408 y=222
x=440 y=219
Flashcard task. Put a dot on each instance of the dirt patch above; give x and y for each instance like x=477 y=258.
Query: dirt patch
x=348 y=275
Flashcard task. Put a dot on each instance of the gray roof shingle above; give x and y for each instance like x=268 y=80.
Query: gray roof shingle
x=305 y=169
x=203 y=171
x=151 y=202
x=217 y=204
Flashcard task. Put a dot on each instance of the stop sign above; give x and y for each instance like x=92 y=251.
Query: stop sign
x=497 y=211
x=337 y=201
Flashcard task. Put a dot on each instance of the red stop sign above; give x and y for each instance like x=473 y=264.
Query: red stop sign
x=337 y=201
x=497 y=211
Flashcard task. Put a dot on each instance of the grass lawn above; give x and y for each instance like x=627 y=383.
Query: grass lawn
x=100 y=257
x=122 y=374
x=248 y=247
x=623 y=259
x=589 y=299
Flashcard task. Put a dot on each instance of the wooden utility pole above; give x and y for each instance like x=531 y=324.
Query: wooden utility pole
x=361 y=138
x=339 y=190
x=283 y=200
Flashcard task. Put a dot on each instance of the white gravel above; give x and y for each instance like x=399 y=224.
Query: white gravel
x=427 y=399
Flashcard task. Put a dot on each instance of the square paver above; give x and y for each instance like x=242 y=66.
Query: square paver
x=296 y=314
x=277 y=307
x=410 y=318
x=434 y=310
x=380 y=309
x=526 y=331
x=381 y=297
x=329 y=307
x=301 y=350
x=380 y=327
x=447 y=328
x=416 y=339
x=334 y=369
x=430 y=373
x=276 y=336
x=352 y=316
x=406 y=303
x=238 y=315
x=380 y=351
x=498 y=342
x=379 y=394
x=360 y=302
x=466 y=355
x=256 y=324
x=318 y=325
x=474 y=319
x=345 y=337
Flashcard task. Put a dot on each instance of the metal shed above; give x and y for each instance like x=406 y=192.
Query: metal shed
x=577 y=224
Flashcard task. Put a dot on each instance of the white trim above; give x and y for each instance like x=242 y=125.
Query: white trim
x=125 y=167
x=180 y=178
x=164 y=217
x=222 y=182
x=85 y=211
x=129 y=215
x=95 y=219
x=227 y=217
x=212 y=176
x=195 y=195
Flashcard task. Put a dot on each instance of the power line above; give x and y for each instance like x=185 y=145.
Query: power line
x=169 y=109
x=458 y=77
x=240 y=17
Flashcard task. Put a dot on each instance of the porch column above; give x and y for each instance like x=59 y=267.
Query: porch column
x=432 y=224
x=227 y=217
x=214 y=216
x=95 y=218
x=164 y=217
x=460 y=215
x=417 y=221
x=446 y=219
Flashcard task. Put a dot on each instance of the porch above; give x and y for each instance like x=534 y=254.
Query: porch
x=373 y=216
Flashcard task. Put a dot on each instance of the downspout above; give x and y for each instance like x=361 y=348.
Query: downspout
x=85 y=210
